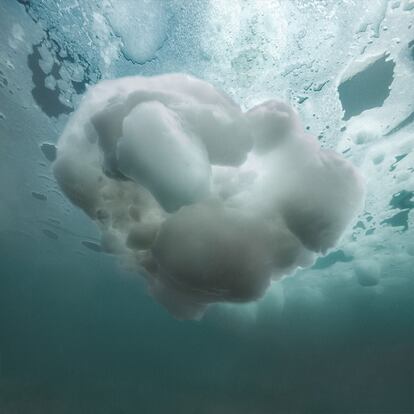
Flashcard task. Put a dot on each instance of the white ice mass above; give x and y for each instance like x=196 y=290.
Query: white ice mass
x=208 y=202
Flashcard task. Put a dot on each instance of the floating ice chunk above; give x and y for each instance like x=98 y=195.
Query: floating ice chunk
x=18 y=32
x=367 y=272
x=49 y=233
x=50 y=82
x=17 y=36
x=49 y=151
x=39 y=196
x=209 y=203
x=92 y=246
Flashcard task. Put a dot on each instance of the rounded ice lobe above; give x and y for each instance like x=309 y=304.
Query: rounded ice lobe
x=271 y=121
x=208 y=203
x=155 y=150
x=215 y=252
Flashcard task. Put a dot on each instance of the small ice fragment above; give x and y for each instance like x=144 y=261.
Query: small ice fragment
x=92 y=246
x=39 y=196
x=49 y=233
x=49 y=151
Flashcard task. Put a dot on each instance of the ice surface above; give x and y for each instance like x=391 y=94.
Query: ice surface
x=212 y=202
x=142 y=26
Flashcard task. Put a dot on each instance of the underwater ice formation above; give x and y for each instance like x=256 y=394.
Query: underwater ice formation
x=210 y=203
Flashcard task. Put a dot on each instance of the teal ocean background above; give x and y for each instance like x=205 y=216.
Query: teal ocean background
x=78 y=331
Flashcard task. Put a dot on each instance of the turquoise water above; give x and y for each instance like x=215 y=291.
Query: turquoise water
x=79 y=332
